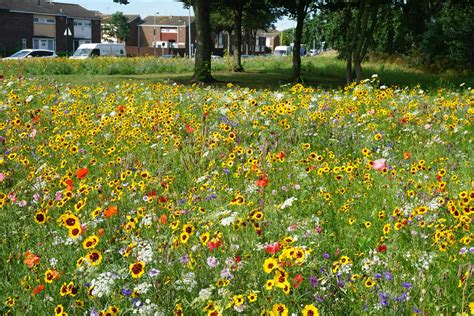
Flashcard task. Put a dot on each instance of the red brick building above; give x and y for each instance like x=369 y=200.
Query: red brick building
x=169 y=34
x=61 y=27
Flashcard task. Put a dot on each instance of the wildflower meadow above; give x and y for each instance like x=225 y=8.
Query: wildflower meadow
x=167 y=199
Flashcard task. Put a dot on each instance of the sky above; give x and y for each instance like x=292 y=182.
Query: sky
x=149 y=7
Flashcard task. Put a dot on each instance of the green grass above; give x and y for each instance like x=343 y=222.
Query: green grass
x=324 y=71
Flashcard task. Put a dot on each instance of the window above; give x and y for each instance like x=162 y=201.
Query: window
x=169 y=30
x=44 y=20
x=44 y=43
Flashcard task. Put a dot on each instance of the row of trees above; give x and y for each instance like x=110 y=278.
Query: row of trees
x=433 y=27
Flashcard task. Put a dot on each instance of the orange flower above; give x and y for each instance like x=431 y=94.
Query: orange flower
x=31 y=259
x=81 y=173
x=101 y=232
x=69 y=184
x=263 y=181
x=110 y=211
x=406 y=155
x=38 y=289
x=163 y=219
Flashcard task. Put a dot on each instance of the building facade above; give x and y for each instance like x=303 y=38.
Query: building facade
x=45 y=24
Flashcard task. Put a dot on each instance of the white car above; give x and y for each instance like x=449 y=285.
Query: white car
x=99 y=49
x=33 y=53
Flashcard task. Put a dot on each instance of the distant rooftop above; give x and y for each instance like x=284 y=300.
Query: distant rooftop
x=167 y=20
x=47 y=7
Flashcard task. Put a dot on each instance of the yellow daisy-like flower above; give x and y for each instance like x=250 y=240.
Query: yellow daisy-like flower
x=90 y=242
x=94 y=258
x=280 y=309
x=137 y=269
x=369 y=283
x=269 y=265
x=310 y=310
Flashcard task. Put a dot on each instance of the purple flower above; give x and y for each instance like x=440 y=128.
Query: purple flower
x=137 y=303
x=212 y=262
x=126 y=292
x=407 y=285
x=313 y=281
x=326 y=255
x=383 y=299
x=227 y=171
x=388 y=276
x=94 y=312
x=378 y=275
x=153 y=272
x=471 y=250
x=184 y=259
x=416 y=310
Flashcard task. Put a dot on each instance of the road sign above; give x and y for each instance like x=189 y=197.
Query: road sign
x=68 y=32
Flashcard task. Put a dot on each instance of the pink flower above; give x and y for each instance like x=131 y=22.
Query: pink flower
x=379 y=164
x=2 y=176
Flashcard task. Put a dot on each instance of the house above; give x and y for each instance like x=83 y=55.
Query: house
x=271 y=38
x=61 y=27
x=133 y=23
x=167 y=34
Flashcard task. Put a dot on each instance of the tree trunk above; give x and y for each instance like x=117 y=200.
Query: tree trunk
x=361 y=36
x=228 y=41
x=300 y=16
x=237 y=64
x=348 y=39
x=202 y=66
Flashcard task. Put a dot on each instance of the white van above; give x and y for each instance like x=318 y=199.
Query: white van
x=282 y=50
x=98 y=49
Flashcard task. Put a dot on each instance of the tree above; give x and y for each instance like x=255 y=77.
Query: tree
x=202 y=65
x=288 y=36
x=243 y=15
x=297 y=9
x=116 y=27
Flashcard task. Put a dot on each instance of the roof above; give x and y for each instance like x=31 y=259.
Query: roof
x=167 y=20
x=272 y=33
x=48 y=7
x=131 y=17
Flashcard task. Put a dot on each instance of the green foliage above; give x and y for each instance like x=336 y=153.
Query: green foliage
x=288 y=36
x=117 y=27
x=448 y=41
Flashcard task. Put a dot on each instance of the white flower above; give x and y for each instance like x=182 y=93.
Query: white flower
x=288 y=202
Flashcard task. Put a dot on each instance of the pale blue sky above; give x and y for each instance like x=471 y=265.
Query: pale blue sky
x=149 y=7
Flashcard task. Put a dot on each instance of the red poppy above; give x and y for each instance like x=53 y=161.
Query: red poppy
x=120 y=108
x=273 y=248
x=82 y=173
x=382 y=248
x=262 y=182
x=69 y=184
x=214 y=245
x=38 y=289
x=189 y=129
x=298 y=279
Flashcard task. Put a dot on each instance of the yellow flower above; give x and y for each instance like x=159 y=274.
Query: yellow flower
x=369 y=283
x=310 y=310
x=137 y=269
x=269 y=265
x=280 y=309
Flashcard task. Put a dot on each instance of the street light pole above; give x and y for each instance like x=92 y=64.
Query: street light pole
x=154 y=33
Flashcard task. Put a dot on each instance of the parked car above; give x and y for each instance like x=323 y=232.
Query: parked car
x=32 y=53
x=216 y=57
x=168 y=56
x=99 y=49
x=313 y=52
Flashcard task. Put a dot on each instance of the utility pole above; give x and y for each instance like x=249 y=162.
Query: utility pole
x=154 y=33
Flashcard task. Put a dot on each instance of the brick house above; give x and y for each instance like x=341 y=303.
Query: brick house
x=61 y=27
x=169 y=34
